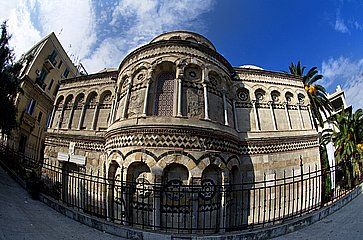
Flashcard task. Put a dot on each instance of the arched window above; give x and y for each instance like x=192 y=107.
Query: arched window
x=289 y=97
x=301 y=98
x=164 y=94
x=243 y=94
x=275 y=96
x=260 y=95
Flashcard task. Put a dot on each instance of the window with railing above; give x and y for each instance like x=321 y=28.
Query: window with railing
x=60 y=64
x=41 y=78
x=66 y=72
x=52 y=57
x=56 y=89
x=30 y=107
x=40 y=115
x=50 y=84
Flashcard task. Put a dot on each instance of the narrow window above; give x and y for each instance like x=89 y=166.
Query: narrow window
x=66 y=72
x=40 y=114
x=50 y=84
x=56 y=90
x=48 y=120
x=60 y=64
x=52 y=57
x=40 y=79
x=30 y=108
x=164 y=94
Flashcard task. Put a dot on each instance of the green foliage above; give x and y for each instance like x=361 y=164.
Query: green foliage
x=316 y=93
x=9 y=83
x=347 y=139
x=327 y=191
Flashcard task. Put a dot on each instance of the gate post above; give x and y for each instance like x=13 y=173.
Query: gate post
x=156 y=203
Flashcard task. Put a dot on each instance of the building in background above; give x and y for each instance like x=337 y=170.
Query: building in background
x=44 y=65
x=339 y=104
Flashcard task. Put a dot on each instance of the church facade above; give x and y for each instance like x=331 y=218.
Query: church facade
x=177 y=113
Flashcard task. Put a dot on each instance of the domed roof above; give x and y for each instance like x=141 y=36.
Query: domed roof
x=184 y=35
x=249 y=66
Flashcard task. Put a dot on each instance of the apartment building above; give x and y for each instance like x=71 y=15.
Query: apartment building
x=44 y=65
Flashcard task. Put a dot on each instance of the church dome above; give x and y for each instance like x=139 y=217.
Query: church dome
x=249 y=66
x=184 y=35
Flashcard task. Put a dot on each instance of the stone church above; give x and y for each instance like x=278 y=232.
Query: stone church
x=176 y=112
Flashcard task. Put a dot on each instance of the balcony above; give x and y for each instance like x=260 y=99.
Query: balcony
x=41 y=83
x=28 y=121
x=49 y=64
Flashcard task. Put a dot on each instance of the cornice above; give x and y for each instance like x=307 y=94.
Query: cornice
x=92 y=77
x=183 y=43
x=268 y=73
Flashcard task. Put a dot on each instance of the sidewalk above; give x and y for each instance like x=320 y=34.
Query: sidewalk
x=346 y=223
x=23 y=218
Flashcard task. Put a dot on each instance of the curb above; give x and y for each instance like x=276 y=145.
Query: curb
x=259 y=234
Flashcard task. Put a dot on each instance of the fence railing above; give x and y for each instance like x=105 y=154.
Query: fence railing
x=171 y=206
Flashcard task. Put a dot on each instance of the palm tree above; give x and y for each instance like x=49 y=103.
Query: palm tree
x=347 y=138
x=319 y=104
x=316 y=93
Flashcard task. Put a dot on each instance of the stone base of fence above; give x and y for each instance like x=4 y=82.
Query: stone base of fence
x=261 y=233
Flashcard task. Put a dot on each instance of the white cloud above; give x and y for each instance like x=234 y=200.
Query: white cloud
x=340 y=26
x=6 y=8
x=357 y=25
x=349 y=74
x=138 y=21
x=72 y=22
x=98 y=33
x=20 y=25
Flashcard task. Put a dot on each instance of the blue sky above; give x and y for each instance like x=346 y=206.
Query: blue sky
x=268 y=33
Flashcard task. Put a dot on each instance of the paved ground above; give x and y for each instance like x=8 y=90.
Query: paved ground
x=24 y=218
x=346 y=223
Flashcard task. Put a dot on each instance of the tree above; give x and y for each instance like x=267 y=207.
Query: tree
x=9 y=83
x=316 y=93
x=319 y=104
x=347 y=138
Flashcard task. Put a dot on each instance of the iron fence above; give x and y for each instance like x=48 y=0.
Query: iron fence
x=200 y=207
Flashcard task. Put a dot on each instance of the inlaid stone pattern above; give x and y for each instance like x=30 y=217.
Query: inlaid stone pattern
x=177 y=113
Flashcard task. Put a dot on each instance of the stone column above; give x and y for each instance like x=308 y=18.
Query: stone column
x=225 y=108
x=287 y=114
x=144 y=112
x=117 y=103
x=300 y=116
x=52 y=116
x=95 y=115
x=81 y=116
x=270 y=103
x=113 y=107
x=223 y=213
x=205 y=93
x=311 y=117
x=179 y=76
x=206 y=105
x=70 y=118
x=257 y=120
x=195 y=181
x=156 y=221
x=61 y=116
x=127 y=99
x=235 y=115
